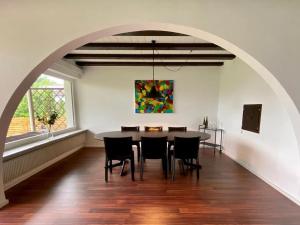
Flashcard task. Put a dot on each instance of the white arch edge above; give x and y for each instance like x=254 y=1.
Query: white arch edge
x=281 y=93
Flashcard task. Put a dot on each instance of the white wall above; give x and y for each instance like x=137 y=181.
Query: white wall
x=105 y=97
x=272 y=154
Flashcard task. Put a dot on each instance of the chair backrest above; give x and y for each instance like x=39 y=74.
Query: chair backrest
x=124 y=128
x=185 y=148
x=172 y=129
x=154 y=147
x=118 y=148
x=160 y=128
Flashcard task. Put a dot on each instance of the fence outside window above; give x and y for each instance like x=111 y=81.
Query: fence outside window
x=39 y=101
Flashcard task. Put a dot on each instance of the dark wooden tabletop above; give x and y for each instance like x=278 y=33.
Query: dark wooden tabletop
x=136 y=135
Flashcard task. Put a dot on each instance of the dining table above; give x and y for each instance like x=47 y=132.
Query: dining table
x=136 y=135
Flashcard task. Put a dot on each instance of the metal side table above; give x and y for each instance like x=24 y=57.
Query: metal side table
x=215 y=145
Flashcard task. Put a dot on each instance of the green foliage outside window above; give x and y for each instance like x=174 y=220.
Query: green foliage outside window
x=42 y=81
x=22 y=110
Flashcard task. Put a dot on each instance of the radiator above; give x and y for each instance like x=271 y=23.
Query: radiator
x=20 y=168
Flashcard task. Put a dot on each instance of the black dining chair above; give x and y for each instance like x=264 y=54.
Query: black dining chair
x=149 y=129
x=179 y=129
x=154 y=148
x=171 y=143
x=118 y=149
x=135 y=143
x=186 y=149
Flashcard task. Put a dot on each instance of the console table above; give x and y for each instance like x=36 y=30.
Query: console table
x=215 y=145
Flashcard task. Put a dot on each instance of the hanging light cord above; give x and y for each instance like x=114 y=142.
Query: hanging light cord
x=179 y=67
x=166 y=67
x=153 y=63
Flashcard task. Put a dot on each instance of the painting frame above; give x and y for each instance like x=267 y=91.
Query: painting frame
x=161 y=104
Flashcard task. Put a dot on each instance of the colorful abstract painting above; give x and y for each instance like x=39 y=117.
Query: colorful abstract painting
x=161 y=104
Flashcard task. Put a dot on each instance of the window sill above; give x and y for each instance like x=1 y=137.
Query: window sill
x=36 y=138
x=19 y=151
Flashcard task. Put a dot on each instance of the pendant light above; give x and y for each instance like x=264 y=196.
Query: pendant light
x=153 y=92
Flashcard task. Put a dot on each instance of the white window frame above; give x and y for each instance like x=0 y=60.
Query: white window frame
x=43 y=136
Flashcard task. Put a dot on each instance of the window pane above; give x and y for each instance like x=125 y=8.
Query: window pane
x=20 y=122
x=48 y=97
x=47 y=101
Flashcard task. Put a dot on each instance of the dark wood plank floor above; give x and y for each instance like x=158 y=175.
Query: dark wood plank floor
x=73 y=192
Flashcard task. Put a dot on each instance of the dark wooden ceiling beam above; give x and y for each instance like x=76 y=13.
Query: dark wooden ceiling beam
x=149 y=46
x=149 y=63
x=151 y=33
x=150 y=56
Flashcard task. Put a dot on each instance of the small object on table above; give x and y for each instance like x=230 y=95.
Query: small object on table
x=205 y=122
x=153 y=129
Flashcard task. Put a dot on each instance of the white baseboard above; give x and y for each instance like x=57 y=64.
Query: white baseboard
x=3 y=203
x=39 y=168
x=277 y=188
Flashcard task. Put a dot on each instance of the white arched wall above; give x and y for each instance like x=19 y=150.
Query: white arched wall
x=273 y=154
x=21 y=71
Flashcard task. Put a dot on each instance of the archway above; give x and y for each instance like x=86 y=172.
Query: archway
x=59 y=53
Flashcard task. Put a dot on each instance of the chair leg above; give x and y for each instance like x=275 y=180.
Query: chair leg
x=110 y=166
x=198 y=167
x=132 y=167
x=183 y=167
x=106 y=169
x=142 y=168
x=166 y=167
x=163 y=164
x=169 y=158
x=123 y=173
x=138 y=152
x=173 y=167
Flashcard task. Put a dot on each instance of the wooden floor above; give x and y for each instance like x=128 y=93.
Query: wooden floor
x=73 y=192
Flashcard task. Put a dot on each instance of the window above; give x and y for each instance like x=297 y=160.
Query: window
x=46 y=96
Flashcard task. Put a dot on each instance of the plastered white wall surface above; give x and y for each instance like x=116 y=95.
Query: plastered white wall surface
x=272 y=154
x=105 y=98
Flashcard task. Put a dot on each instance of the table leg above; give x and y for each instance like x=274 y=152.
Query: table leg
x=215 y=142
x=221 y=141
